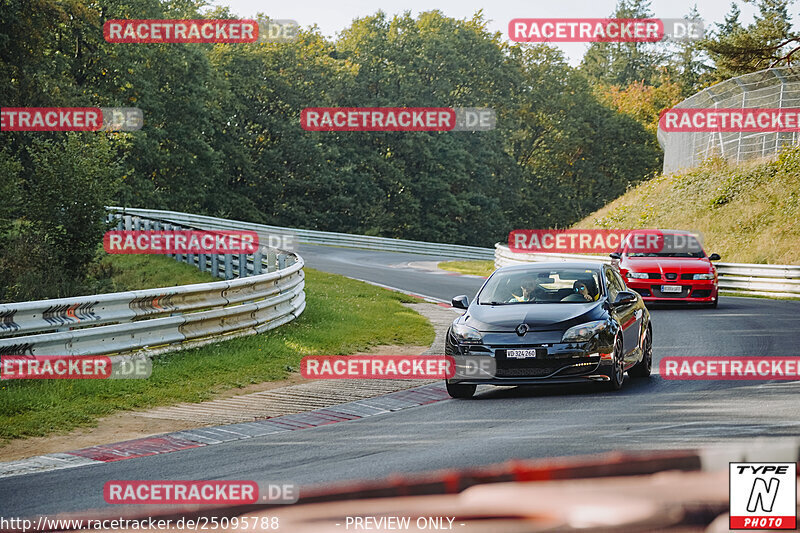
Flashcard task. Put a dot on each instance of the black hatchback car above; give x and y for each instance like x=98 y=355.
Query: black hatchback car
x=560 y=322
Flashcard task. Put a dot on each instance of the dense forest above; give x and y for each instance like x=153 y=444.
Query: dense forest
x=222 y=134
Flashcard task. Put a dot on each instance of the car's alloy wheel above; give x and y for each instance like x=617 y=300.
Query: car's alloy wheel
x=643 y=368
x=618 y=371
x=461 y=390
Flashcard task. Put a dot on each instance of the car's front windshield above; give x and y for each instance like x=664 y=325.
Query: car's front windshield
x=669 y=244
x=540 y=285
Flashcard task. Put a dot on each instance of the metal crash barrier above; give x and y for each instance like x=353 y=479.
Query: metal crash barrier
x=261 y=291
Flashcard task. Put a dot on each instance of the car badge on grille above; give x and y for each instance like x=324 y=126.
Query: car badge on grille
x=672 y=275
x=522 y=329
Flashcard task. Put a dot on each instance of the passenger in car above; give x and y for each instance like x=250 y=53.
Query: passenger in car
x=580 y=288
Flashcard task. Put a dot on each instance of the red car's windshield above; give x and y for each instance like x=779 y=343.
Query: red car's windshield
x=697 y=255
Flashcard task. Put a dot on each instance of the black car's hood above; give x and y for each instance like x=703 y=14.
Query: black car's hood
x=504 y=318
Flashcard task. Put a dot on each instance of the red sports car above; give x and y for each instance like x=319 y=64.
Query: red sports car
x=678 y=273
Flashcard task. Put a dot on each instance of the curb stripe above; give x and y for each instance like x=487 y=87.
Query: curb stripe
x=134 y=448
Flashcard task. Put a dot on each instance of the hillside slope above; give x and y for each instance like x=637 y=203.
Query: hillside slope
x=748 y=213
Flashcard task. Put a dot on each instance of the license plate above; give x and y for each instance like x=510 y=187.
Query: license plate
x=521 y=354
x=671 y=288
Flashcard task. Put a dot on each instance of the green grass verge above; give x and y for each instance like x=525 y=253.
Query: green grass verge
x=342 y=316
x=747 y=213
x=478 y=268
x=139 y=271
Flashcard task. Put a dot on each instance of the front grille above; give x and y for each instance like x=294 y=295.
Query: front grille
x=653 y=275
x=687 y=276
x=577 y=370
x=535 y=372
x=544 y=370
x=671 y=275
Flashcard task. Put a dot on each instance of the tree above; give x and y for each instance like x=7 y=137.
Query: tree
x=627 y=62
x=688 y=67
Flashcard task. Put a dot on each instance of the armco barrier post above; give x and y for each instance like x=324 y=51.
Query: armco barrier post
x=168 y=227
x=242 y=265
x=271 y=261
x=281 y=261
x=201 y=262
x=215 y=265
x=228 y=266
x=127 y=219
x=179 y=257
x=257 y=258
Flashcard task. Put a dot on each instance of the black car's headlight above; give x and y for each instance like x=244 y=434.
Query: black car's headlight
x=583 y=332
x=467 y=334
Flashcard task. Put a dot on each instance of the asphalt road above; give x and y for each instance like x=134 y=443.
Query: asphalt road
x=390 y=268
x=498 y=425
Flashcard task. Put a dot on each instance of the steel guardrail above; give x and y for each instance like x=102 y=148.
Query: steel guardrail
x=307 y=236
x=163 y=319
x=763 y=280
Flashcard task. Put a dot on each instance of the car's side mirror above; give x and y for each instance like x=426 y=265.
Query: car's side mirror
x=714 y=257
x=460 y=302
x=615 y=255
x=624 y=298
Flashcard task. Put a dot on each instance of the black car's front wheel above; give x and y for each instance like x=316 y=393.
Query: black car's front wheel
x=617 y=373
x=461 y=390
x=643 y=368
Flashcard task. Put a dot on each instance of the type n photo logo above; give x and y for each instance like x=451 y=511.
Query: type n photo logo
x=763 y=496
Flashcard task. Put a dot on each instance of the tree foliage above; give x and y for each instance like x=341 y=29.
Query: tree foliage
x=767 y=42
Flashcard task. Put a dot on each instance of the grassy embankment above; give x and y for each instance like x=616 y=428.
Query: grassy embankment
x=342 y=316
x=748 y=213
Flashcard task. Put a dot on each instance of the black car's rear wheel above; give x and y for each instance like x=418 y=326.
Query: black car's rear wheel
x=618 y=370
x=461 y=390
x=643 y=368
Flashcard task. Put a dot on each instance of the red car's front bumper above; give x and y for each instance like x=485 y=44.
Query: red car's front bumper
x=692 y=291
